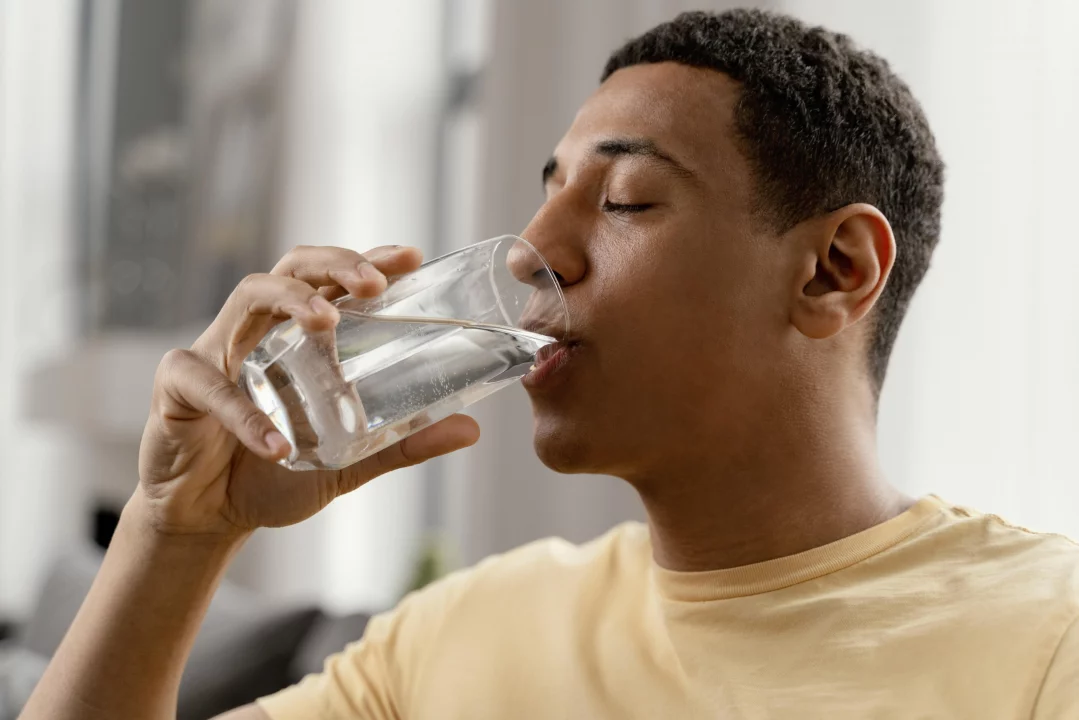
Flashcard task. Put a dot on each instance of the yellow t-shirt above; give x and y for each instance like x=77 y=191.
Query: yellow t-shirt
x=938 y=613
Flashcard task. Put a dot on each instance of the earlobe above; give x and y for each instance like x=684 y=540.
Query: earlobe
x=850 y=253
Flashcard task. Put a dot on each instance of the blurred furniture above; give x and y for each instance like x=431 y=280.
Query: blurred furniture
x=247 y=647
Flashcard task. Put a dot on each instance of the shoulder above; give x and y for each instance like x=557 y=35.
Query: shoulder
x=1036 y=565
x=505 y=596
x=980 y=573
x=465 y=620
x=623 y=548
x=551 y=567
x=1056 y=697
x=1022 y=584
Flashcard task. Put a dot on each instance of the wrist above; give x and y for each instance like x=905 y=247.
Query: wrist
x=124 y=654
x=145 y=517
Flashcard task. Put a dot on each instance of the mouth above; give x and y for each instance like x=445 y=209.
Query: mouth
x=546 y=327
x=551 y=361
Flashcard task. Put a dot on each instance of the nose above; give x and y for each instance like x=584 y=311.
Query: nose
x=557 y=234
x=558 y=238
x=529 y=267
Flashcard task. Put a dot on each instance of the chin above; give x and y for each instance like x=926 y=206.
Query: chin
x=564 y=449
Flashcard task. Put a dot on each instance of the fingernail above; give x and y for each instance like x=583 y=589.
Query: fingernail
x=370 y=273
x=276 y=443
x=322 y=306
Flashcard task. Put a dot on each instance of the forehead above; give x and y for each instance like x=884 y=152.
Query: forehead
x=688 y=112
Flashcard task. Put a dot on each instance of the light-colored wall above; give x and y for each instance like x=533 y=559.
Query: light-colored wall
x=982 y=400
x=41 y=500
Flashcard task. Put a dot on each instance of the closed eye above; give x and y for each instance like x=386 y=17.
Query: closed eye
x=619 y=208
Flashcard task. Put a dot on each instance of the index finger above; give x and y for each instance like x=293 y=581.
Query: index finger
x=361 y=275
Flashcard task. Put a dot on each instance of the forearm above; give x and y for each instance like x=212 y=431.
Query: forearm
x=125 y=652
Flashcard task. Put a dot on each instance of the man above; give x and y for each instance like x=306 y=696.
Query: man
x=739 y=216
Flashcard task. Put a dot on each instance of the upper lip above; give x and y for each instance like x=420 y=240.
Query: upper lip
x=545 y=352
x=543 y=327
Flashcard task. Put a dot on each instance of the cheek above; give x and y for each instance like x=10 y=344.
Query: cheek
x=674 y=280
x=691 y=304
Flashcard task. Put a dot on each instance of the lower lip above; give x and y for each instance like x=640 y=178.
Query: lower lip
x=546 y=373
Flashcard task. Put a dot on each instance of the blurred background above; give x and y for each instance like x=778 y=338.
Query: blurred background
x=154 y=152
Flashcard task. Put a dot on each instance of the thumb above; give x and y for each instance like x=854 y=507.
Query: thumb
x=445 y=436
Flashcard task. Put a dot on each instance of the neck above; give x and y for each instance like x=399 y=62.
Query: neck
x=786 y=490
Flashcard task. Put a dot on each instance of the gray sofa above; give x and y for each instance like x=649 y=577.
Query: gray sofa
x=246 y=648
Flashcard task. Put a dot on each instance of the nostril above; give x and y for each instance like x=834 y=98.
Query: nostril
x=540 y=276
x=558 y=277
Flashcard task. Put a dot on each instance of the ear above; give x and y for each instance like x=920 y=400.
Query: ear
x=847 y=257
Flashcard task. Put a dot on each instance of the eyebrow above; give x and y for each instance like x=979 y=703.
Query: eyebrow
x=620 y=147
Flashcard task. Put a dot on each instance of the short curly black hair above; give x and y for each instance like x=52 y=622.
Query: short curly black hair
x=824 y=124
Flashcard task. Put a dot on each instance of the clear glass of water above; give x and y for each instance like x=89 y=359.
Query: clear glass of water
x=437 y=340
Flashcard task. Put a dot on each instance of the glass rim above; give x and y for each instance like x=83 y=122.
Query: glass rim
x=546 y=266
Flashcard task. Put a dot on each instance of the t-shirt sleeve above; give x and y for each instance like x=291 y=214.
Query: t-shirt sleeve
x=358 y=682
x=1059 y=696
x=372 y=679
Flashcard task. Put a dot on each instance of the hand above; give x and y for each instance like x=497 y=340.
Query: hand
x=206 y=462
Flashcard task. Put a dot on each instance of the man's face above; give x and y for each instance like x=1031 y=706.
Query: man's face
x=676 y=293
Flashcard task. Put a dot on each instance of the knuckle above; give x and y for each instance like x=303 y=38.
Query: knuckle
x=382 y=462
x=254 y=421
x=220 y=392
x=247 y=285
x=299 y=290
x=337 y=255
x=173 y=359
x=404 y=457
x=293 y=300
x=293 y=259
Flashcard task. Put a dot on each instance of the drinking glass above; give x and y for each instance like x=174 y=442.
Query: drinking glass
x=438 y=339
